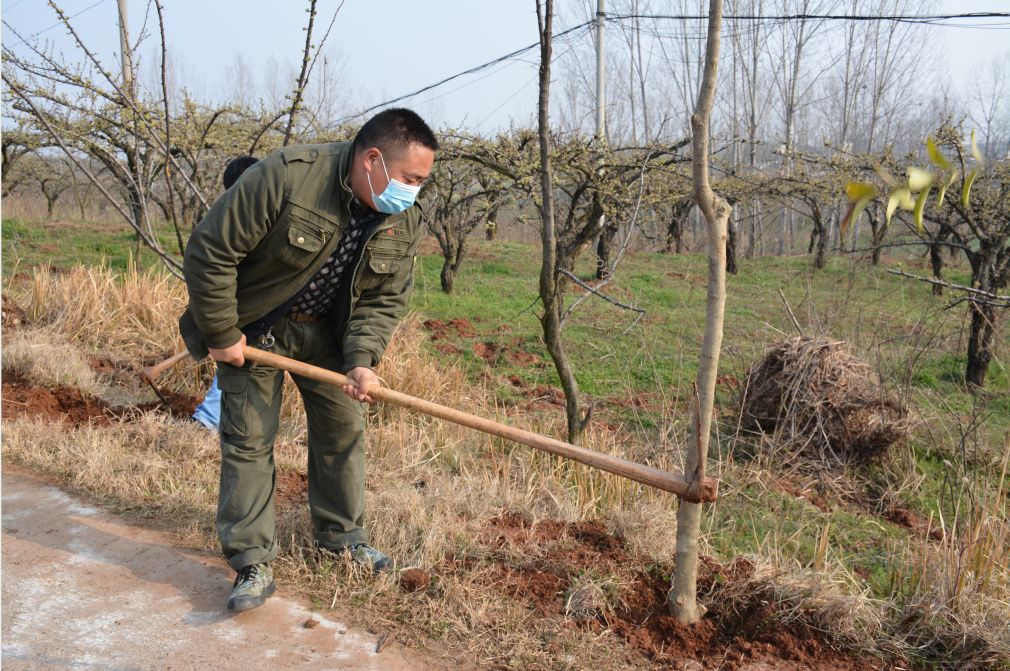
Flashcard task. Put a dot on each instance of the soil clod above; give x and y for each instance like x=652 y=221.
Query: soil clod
x=414 y=580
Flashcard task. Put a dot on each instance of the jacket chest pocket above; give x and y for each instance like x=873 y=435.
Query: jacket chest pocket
x=377 y=266
x=308 y=232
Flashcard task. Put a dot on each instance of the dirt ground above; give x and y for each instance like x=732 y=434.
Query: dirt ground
x=82 y=589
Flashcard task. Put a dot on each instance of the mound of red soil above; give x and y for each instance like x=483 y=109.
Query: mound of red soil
x=21 y=399
x=816 y=498
x=914 y=521
x=745 y=634
x=546 y=395
x=454 y=328
x=511 y=353
x=66 y=404
x=414 y=580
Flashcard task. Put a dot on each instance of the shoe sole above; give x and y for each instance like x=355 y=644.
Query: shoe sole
x=238 y=604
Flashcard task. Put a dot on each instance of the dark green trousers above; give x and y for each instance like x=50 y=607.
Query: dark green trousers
x=250 y=417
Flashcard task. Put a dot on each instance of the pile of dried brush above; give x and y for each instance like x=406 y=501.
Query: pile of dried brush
x=812 y=396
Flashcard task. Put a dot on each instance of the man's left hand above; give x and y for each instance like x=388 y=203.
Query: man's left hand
x=361 y=379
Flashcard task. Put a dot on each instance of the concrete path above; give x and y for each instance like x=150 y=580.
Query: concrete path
x=84 y=590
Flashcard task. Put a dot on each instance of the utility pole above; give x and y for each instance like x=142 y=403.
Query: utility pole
x=602 y=267
x=601 y=71
x=124 y=49
x=130 y=94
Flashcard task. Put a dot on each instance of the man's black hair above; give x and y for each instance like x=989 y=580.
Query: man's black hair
x=393 y=130
x=235 y=168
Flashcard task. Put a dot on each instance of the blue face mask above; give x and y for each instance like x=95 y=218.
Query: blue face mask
x=396 y=197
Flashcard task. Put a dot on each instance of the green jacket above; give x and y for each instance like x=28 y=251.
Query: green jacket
x=265 y=237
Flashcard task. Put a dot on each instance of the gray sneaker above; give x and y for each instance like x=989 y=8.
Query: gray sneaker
x=364 y=554
x=253 y=584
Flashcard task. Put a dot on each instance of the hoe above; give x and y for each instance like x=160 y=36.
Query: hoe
x=689 y=490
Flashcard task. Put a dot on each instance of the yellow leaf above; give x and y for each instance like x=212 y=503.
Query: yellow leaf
x=936 y=155
x=920 y=205
x=944 y=187
x=860 y=194
x=918 y=178
x=860 y=190
x=905 y=202
x=974 y=148
x=898 y=196
x=966 y=189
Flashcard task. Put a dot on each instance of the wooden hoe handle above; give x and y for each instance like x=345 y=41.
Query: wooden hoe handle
x=152 y=373
x=647 y=475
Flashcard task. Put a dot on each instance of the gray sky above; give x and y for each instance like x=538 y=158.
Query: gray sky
x=389 y=48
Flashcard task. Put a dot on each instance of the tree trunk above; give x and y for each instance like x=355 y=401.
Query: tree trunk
x=447 y=277
x=50 y=206
x=732 y=231
x=876 y=234
x=137 y=211
x=491 y=225
x=823 y=237
x=603 y=246
x=675 y=229
x=683 y=597
x=980 y=340
x=936 y=263
x=753 y=212
x=451 y=263
x=821 y=259
x=551 y=289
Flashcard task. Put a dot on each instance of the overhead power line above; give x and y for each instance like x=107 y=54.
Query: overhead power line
x=922 y=19
x=58 y=23
x=473 y=70
x=899 y=18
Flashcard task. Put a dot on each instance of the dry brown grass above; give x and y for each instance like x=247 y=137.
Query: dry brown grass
x=952 y=597
x=432 y=489
x=47 y=358
x=133 y=315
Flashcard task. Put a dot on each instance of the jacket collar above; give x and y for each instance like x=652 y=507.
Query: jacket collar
x=345 y=195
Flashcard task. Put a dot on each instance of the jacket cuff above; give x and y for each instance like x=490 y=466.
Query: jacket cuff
x=223 y=339
x=357 y=359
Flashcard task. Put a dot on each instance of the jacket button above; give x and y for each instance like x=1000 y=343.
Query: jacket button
x=300 y=239
x=382 y=266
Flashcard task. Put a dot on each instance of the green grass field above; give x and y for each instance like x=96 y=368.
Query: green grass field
x=66 y=243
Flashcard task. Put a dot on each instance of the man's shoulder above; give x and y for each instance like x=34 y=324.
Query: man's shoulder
x=310 y=153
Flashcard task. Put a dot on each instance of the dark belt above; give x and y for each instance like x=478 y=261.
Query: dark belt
x=303 y=319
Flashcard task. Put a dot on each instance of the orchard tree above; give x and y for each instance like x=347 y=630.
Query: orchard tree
x=683 y=596
x=968 y=214
x=460 y=196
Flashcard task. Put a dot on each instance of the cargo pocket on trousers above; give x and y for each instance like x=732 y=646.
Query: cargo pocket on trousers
x=234 y=385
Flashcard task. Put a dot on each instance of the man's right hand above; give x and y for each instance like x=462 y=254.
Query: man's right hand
x=230 y=355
